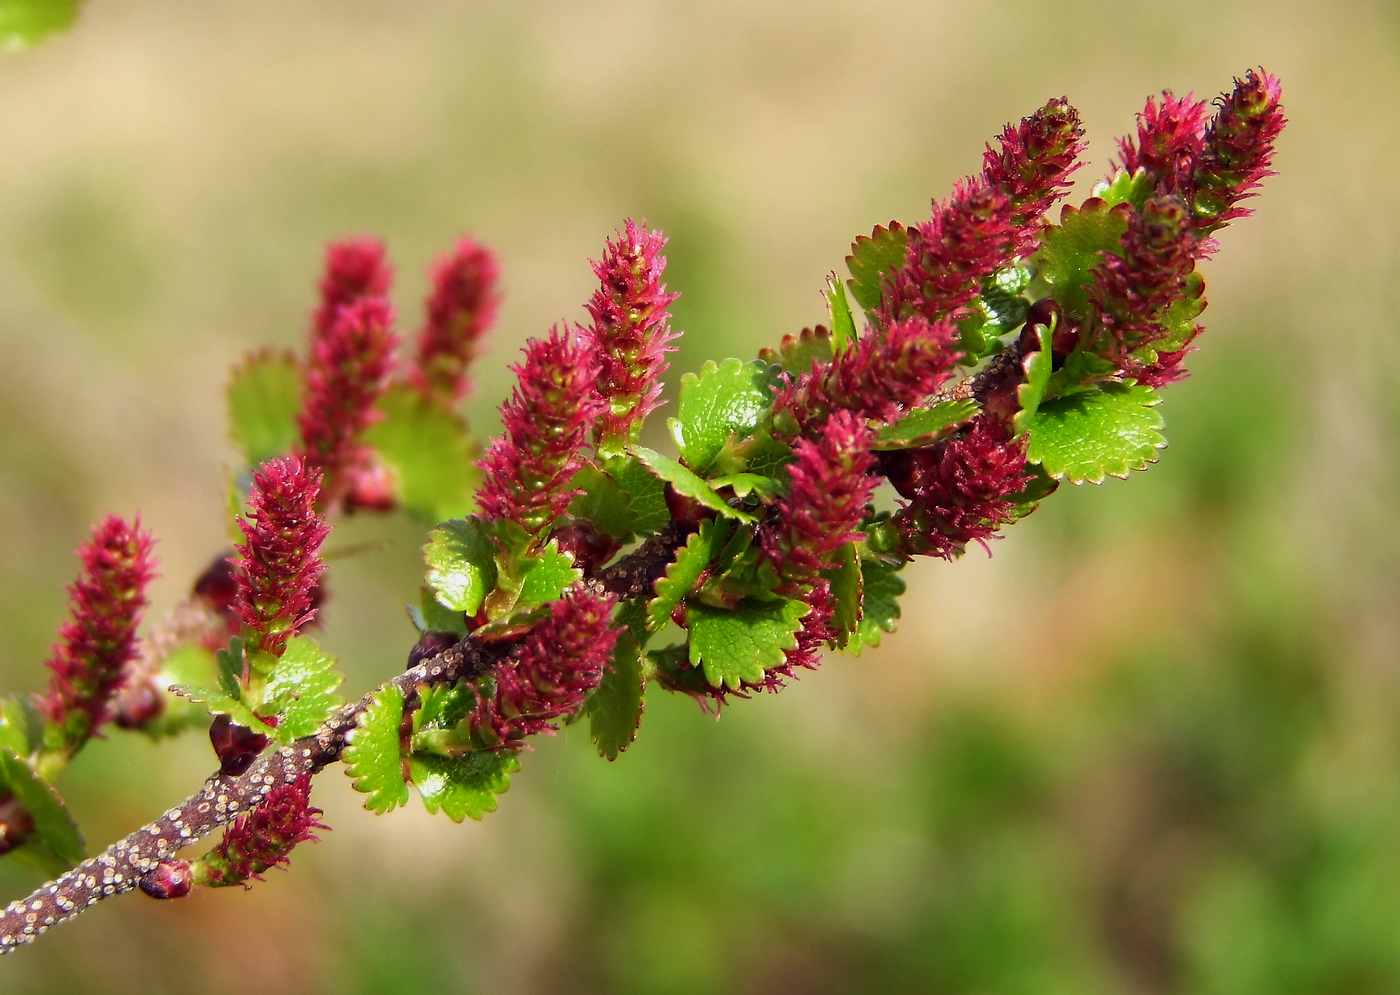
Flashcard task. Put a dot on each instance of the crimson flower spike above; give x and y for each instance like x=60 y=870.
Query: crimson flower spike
x=1237 y=150
x=1032 y=166
x=879 y=378
x=461 y=309
x=546 y=419
x=347 y=372
x=958 y=489
x=261 y=838
x=99 y=639
x=825 y=503
x=278 y=565
x=1169 y=139
x=355 y=269
x=549 y=675
x=631 y=333
x=1132 y=292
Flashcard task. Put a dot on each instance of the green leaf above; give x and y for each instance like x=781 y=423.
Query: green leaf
x=646 y=494
x=20 y=726
x=1037 y=369
x=429 y=451
x=264 y=398
x=843 y=325
x=229 y=661
x=744 y=484
x=1070 y=250
x=55 y=842
x=871 y=258
x=879 y=603
x=301 y=689
x=1097 y=433
x=1126 y=188
x=603 y=502
x=462 y=787
x=688 y=484
x=729 y=399
x=374 y=754
x=1079 y=369
x=739 y=645
x=543 y=576
x=27 y=22
x=615 y=709
x=218 y=703
x=798 y=352
x=1000 y=299
x=461 y=562
x=846 y=592
x=430 y=615
x=923 y=425
x=691 y=562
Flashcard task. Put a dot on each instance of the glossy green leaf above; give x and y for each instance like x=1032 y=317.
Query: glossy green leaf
x=429 y=452
x=924 y=425
x=431 y=615
x=544 y=576
x=462 y=787
x=733 y=646
x=1070 y=251
x=1126 y=188
x=692 y=560
x=871 y=259
x=461 y=562
x=798 y=352
x=1097 y=433
x=882 y=588
x=374 y=753
x=745 y=484
x=728 y=399
x=687 y=484
x=646 y=493
x=301 y=690
x=615 y=709
x=229 y=663
x=27 y=22
x=264 y=398
x=55 y=842
x=603 y=502
x=20 y=726
x=1037 y=368
x=218 y=703
x=843 y=323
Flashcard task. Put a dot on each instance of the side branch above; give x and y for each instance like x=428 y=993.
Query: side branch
x=122 y=866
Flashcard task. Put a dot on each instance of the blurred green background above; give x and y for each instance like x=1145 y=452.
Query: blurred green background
x=1149 y=747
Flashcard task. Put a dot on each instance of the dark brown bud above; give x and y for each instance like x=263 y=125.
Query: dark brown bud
x=589 y=547
x=217 y=585
x=236 y=746
x=430 y=644
x=15 y=824
x=139 y=705
x=171 y=879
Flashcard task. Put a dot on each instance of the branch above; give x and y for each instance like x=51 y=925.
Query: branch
x=122 y=866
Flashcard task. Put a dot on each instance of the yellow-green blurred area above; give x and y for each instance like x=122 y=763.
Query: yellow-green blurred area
x=1148 y=747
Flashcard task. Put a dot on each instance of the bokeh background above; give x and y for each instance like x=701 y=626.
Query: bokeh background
x=1148 y=747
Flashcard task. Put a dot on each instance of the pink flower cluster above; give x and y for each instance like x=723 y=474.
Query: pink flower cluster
x=989 y=220
x=957 y=489
x=549 y=674
x=278 y=564
x=631 y=332
x=98 y=641
x=830 y=488
x=262 y=838
x=546 y=421
x=461 y=308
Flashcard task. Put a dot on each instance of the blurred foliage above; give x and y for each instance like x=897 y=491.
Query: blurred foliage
x=1149 y=747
